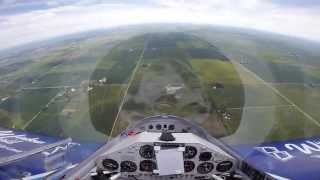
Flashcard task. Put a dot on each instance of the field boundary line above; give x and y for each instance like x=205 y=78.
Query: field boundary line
x=48 y=87
x=127 y=88
x=36 y=115
x=295 y=83
x=260 y=107
x=277 y=92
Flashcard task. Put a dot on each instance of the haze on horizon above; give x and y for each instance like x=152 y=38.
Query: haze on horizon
x=28 y=21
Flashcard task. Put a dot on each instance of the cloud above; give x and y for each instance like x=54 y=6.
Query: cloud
x=59 y=17
x=297 y=3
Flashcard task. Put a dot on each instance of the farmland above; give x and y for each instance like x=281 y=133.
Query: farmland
x=241 y=87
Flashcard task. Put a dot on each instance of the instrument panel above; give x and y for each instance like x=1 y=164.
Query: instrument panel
x=139 y=160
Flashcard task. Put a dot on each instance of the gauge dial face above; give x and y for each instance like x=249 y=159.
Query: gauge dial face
x=205 y=168
x=128 y=166
x=147 y=151
x=188 y=166
x=205 y=156
x=190 y=152
x=171 y=127
x=224 y=166
x=147 y=166
x=110 y=164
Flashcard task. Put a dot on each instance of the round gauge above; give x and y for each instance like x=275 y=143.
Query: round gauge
x=171 y=127
x=147 y=166
x=205 y=168
x=147 y=151
x=158 y=127
x=188 y=166
x=128 y=166
x=224 y=166
x=190 y=152
x=110 y=164
x=205 y=156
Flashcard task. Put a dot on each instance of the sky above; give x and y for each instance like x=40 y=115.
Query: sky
x=24 y=21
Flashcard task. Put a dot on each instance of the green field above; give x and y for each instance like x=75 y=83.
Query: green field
x=307 y=98
x=177 y=59
x=29 y=88
x=27 y=104
x=48 y=119
x=215 y=70
x=272 y=124
x=269 y=86
x=281 y=65
x=103 y=105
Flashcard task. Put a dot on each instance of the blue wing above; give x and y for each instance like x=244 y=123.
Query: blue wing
x=293 y=159
x=35 y=155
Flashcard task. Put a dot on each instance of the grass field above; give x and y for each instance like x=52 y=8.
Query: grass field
x=103 y=104
x=187 y=61
x=215 y=70
x=272 y=124
x=273 y=58
x=48 y=120
x=104 y=101
x=307 y=98
x=270 y=87
x=46 y=89
x=278 y=115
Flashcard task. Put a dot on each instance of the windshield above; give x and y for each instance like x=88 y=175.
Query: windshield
x=243 y=82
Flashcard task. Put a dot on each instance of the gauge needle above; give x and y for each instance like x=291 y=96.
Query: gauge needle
x=116 y=176
x=216 y=177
